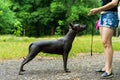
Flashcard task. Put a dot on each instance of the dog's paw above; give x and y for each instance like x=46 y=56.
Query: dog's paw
x=67 y=71
x=20 y=73
x=22 y=70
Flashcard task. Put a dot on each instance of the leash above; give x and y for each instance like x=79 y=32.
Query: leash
x=92 y=42
x=91 y=38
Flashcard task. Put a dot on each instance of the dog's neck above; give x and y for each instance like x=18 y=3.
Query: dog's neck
x=70 y=35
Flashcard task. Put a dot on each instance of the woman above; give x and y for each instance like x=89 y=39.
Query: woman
x=108 y=23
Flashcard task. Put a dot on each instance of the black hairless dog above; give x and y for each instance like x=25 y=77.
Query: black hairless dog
x=61 y=46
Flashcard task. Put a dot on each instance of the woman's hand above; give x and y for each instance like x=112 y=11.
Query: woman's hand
x=94 y=11
x=110 y=5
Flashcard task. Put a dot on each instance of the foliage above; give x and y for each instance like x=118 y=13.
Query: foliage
x=9 y=21
x=41 y=17
x=7 y=17
x=17 y=28
x=58 y=29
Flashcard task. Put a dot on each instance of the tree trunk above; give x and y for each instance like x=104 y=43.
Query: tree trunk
x=52 y=30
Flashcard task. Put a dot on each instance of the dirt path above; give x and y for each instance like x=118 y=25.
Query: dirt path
x=82 y=68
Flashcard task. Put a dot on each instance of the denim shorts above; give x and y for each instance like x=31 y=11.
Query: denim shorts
x=109 y=19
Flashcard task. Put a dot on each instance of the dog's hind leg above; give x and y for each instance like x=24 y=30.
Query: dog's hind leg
x=33 y=51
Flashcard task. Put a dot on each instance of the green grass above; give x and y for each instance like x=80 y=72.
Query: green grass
x=12 y=47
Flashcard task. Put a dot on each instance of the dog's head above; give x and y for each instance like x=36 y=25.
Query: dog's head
x=77 y=27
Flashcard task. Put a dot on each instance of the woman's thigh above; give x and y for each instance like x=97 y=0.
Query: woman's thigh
x=106 y=34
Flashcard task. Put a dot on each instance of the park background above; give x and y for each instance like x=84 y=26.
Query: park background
x=25 y=21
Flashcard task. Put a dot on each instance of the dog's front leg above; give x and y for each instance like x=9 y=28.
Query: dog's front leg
x=65 y=58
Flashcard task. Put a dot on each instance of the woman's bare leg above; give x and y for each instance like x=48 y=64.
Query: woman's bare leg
x=106 y=36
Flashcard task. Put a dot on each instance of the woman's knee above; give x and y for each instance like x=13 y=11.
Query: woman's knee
x=106 y=43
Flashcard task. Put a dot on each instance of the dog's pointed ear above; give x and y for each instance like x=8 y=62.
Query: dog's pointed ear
x=71 y=25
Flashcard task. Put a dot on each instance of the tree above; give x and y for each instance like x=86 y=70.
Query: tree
x=7 y=18
x=41 y=17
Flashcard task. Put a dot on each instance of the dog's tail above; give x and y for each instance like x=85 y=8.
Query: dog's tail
x=28 y=50
x=24 y=58
x=29 y=47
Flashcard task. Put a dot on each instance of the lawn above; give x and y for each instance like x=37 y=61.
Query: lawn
x=12 y=47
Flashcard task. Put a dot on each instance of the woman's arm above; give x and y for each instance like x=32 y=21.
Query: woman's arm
x=110 y=5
